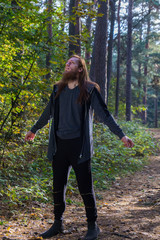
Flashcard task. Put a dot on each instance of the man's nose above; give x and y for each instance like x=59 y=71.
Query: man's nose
x=68 y=63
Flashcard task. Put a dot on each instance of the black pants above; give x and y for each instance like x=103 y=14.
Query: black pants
x=66 y=157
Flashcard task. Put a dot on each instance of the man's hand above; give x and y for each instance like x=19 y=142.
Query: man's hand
x=29 y=136
x=127 y=142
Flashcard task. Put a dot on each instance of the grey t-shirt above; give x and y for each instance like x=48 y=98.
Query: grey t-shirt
x=70 y=114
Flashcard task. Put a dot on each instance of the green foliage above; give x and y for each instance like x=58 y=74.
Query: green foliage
x=23 y=48
x=26 y=174
x=112 y=159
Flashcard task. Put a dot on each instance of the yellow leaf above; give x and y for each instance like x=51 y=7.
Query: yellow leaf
x=1 y=99
x=35 y=238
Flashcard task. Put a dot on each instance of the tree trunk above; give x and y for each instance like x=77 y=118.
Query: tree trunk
x=129 y=62
x=118 y=62
x=110 y=45
x=144 y=113
x=98 y=63
x=87 y=53
x=15 y=80
x=48 y=56
x=74 y=29
x=156 y=109
x=140 y=69
x=88 y=26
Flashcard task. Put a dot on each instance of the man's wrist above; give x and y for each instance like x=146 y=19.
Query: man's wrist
x=122 y=135
x=33 y=130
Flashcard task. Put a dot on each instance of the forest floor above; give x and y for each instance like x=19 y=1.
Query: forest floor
x=130 y=209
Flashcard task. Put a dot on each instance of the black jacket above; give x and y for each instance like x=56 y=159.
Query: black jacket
x=94 y=102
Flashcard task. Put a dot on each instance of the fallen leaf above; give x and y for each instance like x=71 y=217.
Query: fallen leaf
x=35 y=238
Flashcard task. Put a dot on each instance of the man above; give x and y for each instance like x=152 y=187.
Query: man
x=71 y=108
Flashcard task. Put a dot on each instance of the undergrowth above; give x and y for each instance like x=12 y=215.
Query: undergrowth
x=26 y=174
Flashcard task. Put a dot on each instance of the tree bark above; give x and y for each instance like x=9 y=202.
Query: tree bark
x=140 y=68
x=144 y=113
x=15 y=80
x=98 y=62
x=74 y=29
x=156 y=109
x=88 y=45
x=49 y=30
x=87 y=53
x=110 y=45
x=129 y=62
x=118 y=61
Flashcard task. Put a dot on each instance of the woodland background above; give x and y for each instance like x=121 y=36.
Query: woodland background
x=120 y=40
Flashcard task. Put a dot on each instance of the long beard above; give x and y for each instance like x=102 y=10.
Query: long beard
x=69 y=76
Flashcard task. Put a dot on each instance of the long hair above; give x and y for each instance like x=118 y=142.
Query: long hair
x=82 y=81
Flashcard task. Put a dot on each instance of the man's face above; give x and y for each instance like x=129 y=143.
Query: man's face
x=72 y=65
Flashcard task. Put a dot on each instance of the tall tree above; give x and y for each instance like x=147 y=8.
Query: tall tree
x=156 y=86
x=144 y=113
x=49 y=30
x=140 y=65
x=88 y=26
x=156 y=110
x=110 y=45
x=16 y=81
x=74 y=29
x=118 y=61
x=129 y=62
x=98 y=62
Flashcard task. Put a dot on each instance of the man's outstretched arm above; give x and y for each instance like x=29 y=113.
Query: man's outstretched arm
x=42 y=121
x=101 y=110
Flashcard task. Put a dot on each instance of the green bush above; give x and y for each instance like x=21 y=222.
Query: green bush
x=112 y=159
x=26 y=174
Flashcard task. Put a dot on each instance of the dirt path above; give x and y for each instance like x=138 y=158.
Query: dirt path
x=130 y=209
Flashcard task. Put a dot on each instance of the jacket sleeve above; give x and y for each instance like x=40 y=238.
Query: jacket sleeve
x=102 y=112
x=44 y=118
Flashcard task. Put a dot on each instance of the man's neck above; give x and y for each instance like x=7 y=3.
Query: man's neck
x=72 y=84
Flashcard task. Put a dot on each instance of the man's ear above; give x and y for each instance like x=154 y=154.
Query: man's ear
x=80 y=69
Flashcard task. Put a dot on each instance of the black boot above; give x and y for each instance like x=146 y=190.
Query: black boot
x=56 y=228
x=93 y=231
